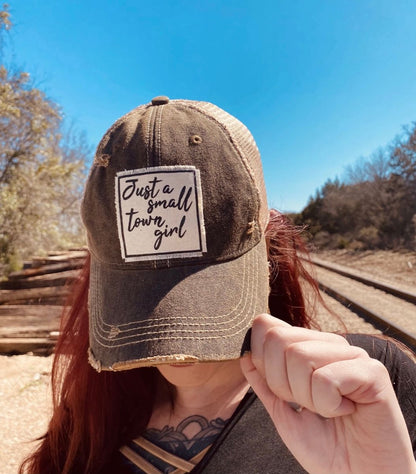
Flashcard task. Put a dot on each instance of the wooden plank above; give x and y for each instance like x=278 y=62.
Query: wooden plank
x=54 y=253
x=46 y=269
x=51 y=301
x=28 y=331
x=29 y=321
x=33 y=294
x=31 y=303
x=40 y=281
x=76 y=255
x=15 y=345
x=28 y=311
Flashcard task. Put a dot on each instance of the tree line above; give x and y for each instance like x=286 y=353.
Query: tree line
x=373 y=206
x=42 y=168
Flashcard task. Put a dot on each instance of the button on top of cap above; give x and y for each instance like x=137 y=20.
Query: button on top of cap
x=160 y=100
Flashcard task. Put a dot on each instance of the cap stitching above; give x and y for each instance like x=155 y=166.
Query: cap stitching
x=147 y=361
x=159 y=134
x=148 y=136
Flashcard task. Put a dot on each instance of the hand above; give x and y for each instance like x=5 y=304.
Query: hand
x=348 y=419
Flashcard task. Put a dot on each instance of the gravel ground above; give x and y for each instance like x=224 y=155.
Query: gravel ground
x=25 y=399
x=399 y=312
x=24 y=384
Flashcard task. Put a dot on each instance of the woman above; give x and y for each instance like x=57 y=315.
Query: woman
x=182 y=374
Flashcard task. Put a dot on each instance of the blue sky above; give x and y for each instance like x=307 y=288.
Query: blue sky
x=319 y=83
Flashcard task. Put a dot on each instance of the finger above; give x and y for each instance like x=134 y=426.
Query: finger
x=304 y=358
x=264 y=322
x=288 y=421
x=261 y=325
x=278 y=342
x=338 y=388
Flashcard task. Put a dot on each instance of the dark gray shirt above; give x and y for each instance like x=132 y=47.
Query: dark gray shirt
x=250 y=444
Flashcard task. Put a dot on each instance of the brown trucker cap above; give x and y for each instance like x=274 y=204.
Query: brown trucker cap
x=175 y=210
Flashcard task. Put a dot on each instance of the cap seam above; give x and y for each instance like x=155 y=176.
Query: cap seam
x=148 y=136
x=122 y=119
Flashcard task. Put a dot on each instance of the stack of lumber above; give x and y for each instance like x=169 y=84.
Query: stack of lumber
x=32 y=300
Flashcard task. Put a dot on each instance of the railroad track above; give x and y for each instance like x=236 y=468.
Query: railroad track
x=389 y=309
x=31 y=302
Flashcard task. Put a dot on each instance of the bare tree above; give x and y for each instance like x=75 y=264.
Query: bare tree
x=42 y=170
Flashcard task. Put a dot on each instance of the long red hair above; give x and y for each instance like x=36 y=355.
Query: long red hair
x=95 y=413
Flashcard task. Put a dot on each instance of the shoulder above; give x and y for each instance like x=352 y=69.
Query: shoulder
x=402 y=371
x=388 y=351
x=401 y=367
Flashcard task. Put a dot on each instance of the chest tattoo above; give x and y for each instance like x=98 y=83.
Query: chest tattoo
x=177 y=442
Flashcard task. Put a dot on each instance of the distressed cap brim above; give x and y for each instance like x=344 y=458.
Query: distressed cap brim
x=182 y=314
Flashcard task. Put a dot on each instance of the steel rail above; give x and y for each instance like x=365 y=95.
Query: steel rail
x=402 y=294
x=380 y=322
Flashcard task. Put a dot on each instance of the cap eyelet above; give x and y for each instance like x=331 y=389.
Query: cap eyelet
x=195 y=140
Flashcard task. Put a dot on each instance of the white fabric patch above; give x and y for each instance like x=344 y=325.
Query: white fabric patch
x=159 y=213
